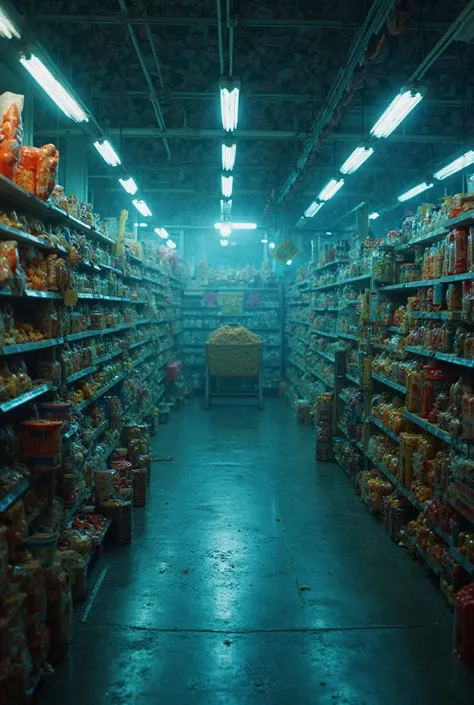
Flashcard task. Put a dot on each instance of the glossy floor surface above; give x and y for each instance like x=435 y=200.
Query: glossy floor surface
x=257 y=576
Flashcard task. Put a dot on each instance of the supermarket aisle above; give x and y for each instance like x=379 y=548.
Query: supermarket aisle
x=256 y=578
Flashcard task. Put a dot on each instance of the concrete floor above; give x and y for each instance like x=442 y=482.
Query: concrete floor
x=208 y=605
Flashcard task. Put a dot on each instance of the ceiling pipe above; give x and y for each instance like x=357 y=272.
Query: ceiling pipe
x=219 y=38
x=376 y=18
x=231 y=39
x=153 y=95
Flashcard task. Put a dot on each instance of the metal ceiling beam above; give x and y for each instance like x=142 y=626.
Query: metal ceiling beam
x=375 y=19
x=270 y=98
x=212 y=22
x=187 y=133
x=175 y=167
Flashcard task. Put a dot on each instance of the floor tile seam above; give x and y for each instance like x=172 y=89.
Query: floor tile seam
x=276 y=630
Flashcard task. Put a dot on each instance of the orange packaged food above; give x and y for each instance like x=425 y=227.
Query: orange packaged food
x=11 y=134
x=47 y=169
x=25 y=174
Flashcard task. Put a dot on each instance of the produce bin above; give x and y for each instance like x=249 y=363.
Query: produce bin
x=233 y=360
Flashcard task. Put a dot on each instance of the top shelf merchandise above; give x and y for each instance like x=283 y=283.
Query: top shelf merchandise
x=258 y=309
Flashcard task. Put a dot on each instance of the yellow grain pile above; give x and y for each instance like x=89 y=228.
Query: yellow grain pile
x=226 y=335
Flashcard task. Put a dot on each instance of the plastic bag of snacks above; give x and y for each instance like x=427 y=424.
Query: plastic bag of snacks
x=11 y=132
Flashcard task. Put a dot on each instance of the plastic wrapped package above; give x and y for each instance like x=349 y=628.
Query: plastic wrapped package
x=11 y=132
x=48 y=161
x=26 y=171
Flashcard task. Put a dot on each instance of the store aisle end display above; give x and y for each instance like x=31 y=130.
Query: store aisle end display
x=387 y=341
x=89 y=329
x=233 y=297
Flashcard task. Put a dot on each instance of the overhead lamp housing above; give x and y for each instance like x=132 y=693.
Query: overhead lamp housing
x=142 y=207
x=227 y=183
x=224 y=242
x=356 y=159
x=53 y=88
x=311 y=210
x=226 y=208
x=161 y=232
x=331 y=188
x=107 y=152
x=399 y=108
x=272 y=245
x=456 y=165
x=7 y=27
x=129 y=185
x=411 y=193
x=171 y=244
x=230 y=92
x=374 y=215
x=228 y=156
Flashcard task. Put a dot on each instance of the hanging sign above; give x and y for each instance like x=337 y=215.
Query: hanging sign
x=285 y=251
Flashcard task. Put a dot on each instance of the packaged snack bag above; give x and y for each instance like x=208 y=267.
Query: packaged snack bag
x=47 y=169
x=26 y=171
x=11 y=132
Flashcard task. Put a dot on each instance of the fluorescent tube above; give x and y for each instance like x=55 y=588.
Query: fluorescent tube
x=142 y=207
x=311 y=211
x=356 y=159
x=264 y=240
x=53 y=88
x=107 y=152
x=224 y=242
x=140 y=225
x=290 y=261
x=171 y=244
x=226 y=207
x=228 y=156
x=460 y=163
x=129 y=185
x=397 y=111
x=161 y=232
x=374 y=215
x=226 y=229
x=244 y=226
x=330 y=190
x=227 y=183
x=7 y=28
x=230 y=92
x=272 y=245
x=414 y=191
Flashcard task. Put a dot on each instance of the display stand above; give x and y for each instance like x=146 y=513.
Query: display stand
x=216 y=370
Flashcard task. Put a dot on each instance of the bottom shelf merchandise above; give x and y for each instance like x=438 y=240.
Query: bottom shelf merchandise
x=53 y=524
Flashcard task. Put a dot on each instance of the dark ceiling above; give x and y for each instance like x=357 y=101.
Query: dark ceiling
x=286 y=65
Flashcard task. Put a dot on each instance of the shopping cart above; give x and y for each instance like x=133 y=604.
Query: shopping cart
x=233 y=361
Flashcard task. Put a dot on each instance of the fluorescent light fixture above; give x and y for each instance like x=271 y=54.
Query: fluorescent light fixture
x=414 y=191
x=399 y=108
x=264 y=240
x=230 y=91
x=129 y=185
x=226 y=208
x=161 y=232
x=171 y=244
x=356 y=159
x=228 y=156
x=140 y=225
x=330 y=190
x=374 y=215
x=53 y=88
x=226 y=229
x=227 y=183
x=107 y=152
x=460 y=163
x=224 y=242
x=272 y=245
x=311 y=211
x=244 y=226
x=7 y=28
x=289 y=261
x=142 y=207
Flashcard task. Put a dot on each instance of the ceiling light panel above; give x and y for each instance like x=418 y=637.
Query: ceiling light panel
x=142 y=207
x=456 y=165
x=311 y=211
x=229 y=105
x=53 y=88
x=129 y=185
x=356 y=159
x=330 y=189
x=399 y=108
x=227 y=185
x=7 y=28
x=228 y=156
x=107 y=152
x=374 y=215
x=411 y=193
